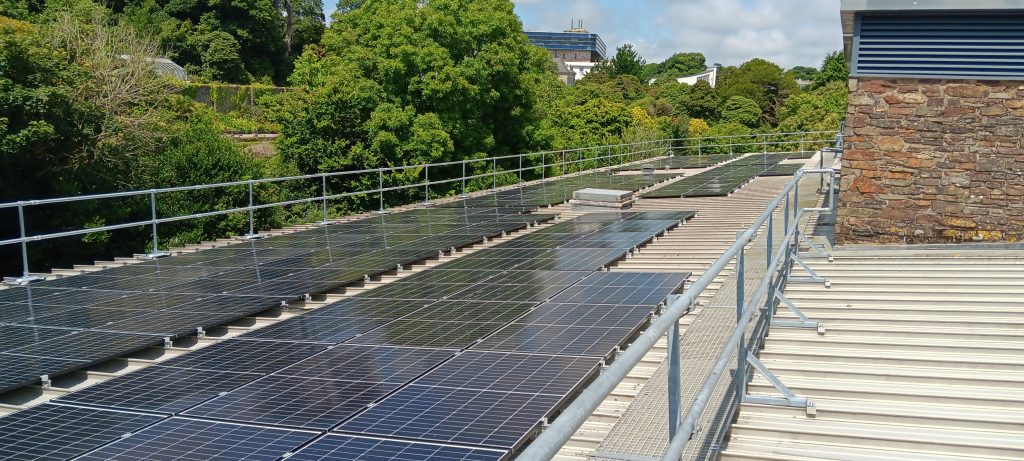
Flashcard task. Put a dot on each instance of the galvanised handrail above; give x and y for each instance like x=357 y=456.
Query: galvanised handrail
x=643 y=149
x=554 y=436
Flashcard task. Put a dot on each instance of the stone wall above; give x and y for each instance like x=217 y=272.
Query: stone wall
x=932 y=161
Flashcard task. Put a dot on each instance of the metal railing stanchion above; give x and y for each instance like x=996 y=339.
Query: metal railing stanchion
x=380 y=184
x=156 y=253
x=674 y=385
x=26 y=277
x=741 y=354
x=323 y=190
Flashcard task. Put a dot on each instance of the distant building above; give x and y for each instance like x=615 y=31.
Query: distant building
x=576 y=49
x=710 y=75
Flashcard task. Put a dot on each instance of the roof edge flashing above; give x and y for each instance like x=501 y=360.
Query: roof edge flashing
x=929 y=5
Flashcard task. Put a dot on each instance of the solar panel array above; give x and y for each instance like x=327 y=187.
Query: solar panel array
x=682 y=162
x=557 y=191
x=722 y=180
x=466 y=371
x=61 y=325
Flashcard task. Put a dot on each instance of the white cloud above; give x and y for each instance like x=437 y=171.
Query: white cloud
x=787 y=32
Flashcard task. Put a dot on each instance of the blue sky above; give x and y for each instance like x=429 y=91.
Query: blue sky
x=730 y=32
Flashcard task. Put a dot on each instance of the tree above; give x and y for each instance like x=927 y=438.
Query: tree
x=627 y=62
x=803 y=73
x=702 y=101
x=743 y=111
x=820 y=109
x=761 y=81
x=833 y=69
x=682 y=64
x=405 y=82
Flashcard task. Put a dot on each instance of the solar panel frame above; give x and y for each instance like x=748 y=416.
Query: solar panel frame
x=325 y=330
x=427 y=333
x=181 y=439
x=558 y=375
x=51 y=432
x=252 y=356
x=494 y=419
x=383 y=364
x=159 y=389
x=352 y=448
x=555 y=340
x=290 y=401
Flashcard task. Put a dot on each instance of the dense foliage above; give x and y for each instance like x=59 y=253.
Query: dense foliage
x=388 y=83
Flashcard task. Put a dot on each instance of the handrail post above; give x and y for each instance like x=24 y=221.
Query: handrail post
x=785 y=213
x=252 y=226
x=464 y=195
x=741 y=355
x=156 y=253
x=769 y=243
x=674 y=385
x=520 y=170
x=25 y=277
x=323 y=180
x=543 y=168
x=426 y=185
x=380 y=189
x=494 y=173
x=796 y=199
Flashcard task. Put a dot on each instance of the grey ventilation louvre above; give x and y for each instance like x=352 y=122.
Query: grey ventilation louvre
x=940 y=46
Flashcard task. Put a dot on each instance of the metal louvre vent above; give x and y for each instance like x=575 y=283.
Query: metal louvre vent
x=940 y=46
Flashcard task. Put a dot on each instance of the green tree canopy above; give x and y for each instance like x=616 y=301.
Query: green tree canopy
x=681 y=65
x=627 y=61
x=833 y=69
x=803 y=73
x=738 y=109
x=406 y=82
x=702 y=101
x=760 y=81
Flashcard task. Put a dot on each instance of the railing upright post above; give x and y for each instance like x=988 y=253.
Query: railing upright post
x=152 y=213
x=741 y=354
x=252 y=226
x=24 y=244
x=674 y=386
x=380 y=188
x=520 y=170
x=464 y=194
x=543 y=168
x=494 y=174
x=426 y=185
x=785 y=214
x=769 y=243
x=796 y=198
x=323 y=183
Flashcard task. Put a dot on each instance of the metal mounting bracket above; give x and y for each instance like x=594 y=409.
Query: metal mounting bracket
x=44 y=381
x=168 y=342
x=789 y=398
x=813 y=276
x=826 y=251
x=803 y=321
x=200 y=333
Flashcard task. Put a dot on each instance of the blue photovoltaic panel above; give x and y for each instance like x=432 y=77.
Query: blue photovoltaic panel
x=348 y=448
x=555 y=339
x=463 y=416
x=294 y=402
x=19 y=370
x=246 y=356
x=182 y=439
x=369 y=363
x=159 y=389
x=14 y=337
x=427 y=333
x=510 y=372
x=327 y=330
x=58 y=432
x=584 y=315
x=632 y=288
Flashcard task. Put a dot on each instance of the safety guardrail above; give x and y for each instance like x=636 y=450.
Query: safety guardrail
x=782 y=256
x=536 y=164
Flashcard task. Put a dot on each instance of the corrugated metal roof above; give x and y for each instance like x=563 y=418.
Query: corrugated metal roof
x=923 y=359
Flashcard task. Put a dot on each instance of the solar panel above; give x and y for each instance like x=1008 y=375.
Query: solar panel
x=88 y=346
x=426 y=333
x=513 y=372
x=484 y=418
x=294 y=402
x=368 y=363
x=85 y=318
x=327 y=330
x=370 y=308
x=169 y=323
x=159 y=389
x=634 y=288
x=19 y=370
x=15 y=337
x=343 y=447
x=555 y=339
x=589 y=315
x=246 y=356
x=189 y=439
x=471 y=311
x=58 y=432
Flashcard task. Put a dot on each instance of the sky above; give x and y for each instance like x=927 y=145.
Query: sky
x=730 y=32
